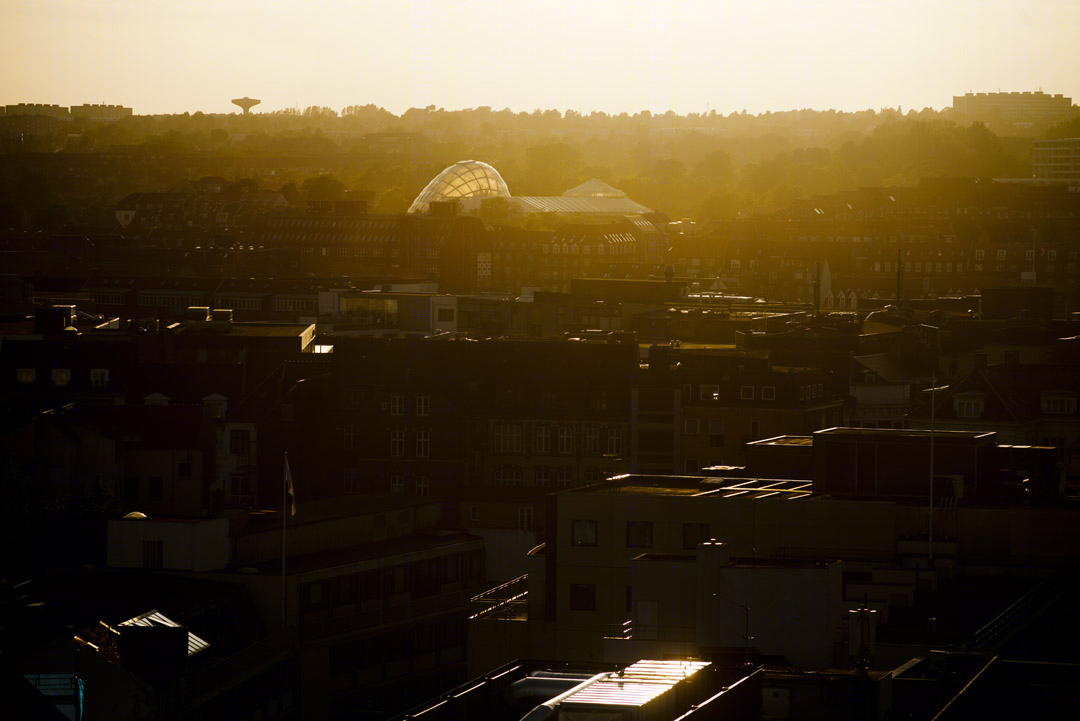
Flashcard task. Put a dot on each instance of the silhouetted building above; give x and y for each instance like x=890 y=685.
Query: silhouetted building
x=1016 y=108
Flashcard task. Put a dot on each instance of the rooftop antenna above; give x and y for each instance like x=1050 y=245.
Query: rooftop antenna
x=246 y=103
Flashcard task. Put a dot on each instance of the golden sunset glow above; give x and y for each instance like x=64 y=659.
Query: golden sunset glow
x=690 y=56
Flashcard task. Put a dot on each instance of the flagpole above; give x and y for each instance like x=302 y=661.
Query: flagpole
x=284 y=505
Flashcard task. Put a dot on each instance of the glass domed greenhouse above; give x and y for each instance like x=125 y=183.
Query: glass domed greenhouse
x=464 y=179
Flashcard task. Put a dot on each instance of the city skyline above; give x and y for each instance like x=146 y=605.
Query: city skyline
x=692 y=57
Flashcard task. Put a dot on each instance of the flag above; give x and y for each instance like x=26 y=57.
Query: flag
x=289 y=487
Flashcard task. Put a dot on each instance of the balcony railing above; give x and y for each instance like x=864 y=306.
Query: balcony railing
x=507 y=601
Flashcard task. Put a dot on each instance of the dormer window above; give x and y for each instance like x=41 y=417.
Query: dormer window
x=1058 y=403
x=969 y=405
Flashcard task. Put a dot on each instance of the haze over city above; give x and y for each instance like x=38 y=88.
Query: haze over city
x=534 y=360
x=695 y=56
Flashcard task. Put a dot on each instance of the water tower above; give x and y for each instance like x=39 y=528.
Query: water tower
x=246 y=103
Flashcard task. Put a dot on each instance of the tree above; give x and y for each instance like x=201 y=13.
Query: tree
x=323 y=187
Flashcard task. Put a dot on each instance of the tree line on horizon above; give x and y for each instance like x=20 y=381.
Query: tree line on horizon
x=705 y=166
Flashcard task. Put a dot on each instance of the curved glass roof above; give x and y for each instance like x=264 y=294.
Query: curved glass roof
x=464 y=179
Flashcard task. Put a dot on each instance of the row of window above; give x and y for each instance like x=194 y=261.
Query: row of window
x=99 y=377
x=422 y=402
x=711 y=392
x=543 y=476
x=508 y=439
x=418 y=579
x=639 y=534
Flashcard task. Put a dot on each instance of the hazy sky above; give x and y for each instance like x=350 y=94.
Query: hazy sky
x=165 y=56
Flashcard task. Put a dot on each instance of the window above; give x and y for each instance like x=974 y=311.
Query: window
x=583 y=533
x=507 y=438
x=446 y=315
x=768 y=393
x=26 y=376
x=708 y=392
x=1051 y=255
x=566 y=476
x=397 y=484
x=422 y=443
x=582 y=597
x=1059 y=403
x=397 y=405
x=153 y=553
x=474 y=513
x=968 y=406
x=639 y=534
x=421 y=486
x=508 y=475
x=1001 y=255
x=592 y=441
x=980 y=255
x=240 y=442
x=691 y=426
x=614 y=441
x=61 y=376
x=746 y=393
x=543 y=439
x=99 y=377
x=349 y=437
x=351 y=479
x=566 y=440
x=397 y=443
x=423 y=405
x=716 y=434
x=693 y=534
x=542 y=477
x=525 y=518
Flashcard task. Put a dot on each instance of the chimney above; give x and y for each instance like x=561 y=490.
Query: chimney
x=54 y=319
